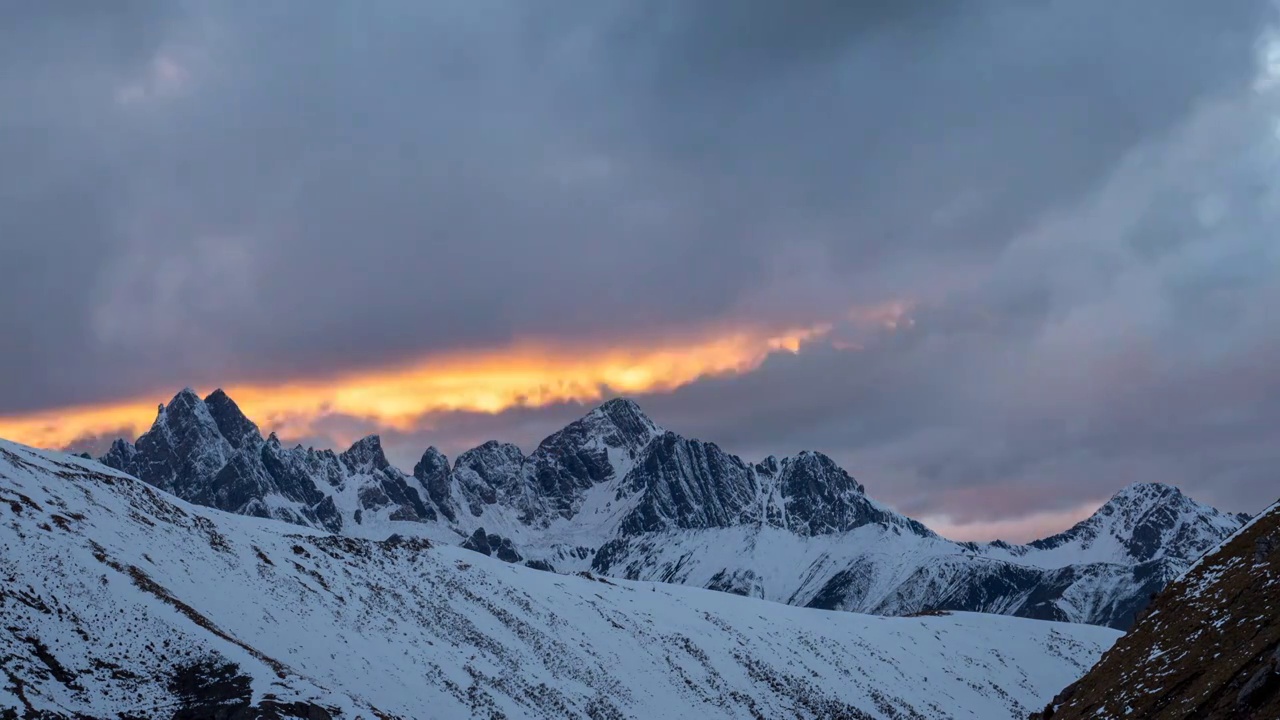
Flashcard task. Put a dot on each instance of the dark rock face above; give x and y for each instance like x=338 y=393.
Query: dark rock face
x=207 y=452
x=493 y=546
x=238 y=430
x=579 y=456
x=815 y=496
x=432 y=473
x=490 y=473
x=214 y=689
x=745 y=583
x=687 y=484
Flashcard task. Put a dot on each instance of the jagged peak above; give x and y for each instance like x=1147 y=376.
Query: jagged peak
x=625 y=413
x=218 y=395
x=490 y=448
x=366 y=453
x=822 y=468
x=433 y=461
x=1139 y=512
x=1145 y=491
x=184 y=398
x=238 y=429
x=620 y=405
x=119 y=454
x=185 y=413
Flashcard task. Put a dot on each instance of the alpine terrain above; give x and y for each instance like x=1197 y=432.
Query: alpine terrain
x=120 y=600
x=1208 y=647
x=616 y=495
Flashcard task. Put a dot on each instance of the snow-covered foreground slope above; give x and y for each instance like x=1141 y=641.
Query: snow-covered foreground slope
x=118 y=599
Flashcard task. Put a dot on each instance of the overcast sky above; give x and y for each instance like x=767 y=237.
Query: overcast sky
x=1077 y=200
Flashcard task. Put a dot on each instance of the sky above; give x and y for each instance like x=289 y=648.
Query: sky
x=997 y=259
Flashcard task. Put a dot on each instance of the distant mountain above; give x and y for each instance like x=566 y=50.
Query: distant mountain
x=207 y=452
x=118 y=600
x=1207 y=647
x=616 y=494
x=1102 y=571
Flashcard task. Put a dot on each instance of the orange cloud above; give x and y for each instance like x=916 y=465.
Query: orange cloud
x=526 y=374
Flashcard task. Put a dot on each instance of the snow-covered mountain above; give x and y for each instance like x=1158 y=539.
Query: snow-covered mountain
x=120 y=600
x=1207 y=647
x=1102 y=571
x=615 y=494
x=207 y=452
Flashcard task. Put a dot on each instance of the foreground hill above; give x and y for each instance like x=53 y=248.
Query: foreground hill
x=1209 y=646
x=616 y=494
x=119 y=600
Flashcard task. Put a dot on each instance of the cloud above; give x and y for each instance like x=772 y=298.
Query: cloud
x=530 y=373
x=1075 y=196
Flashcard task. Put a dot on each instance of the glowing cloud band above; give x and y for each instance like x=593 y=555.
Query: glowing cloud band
x=527 y=374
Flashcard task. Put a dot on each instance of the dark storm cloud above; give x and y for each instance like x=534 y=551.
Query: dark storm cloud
x=214 y=193
x=1128 y=337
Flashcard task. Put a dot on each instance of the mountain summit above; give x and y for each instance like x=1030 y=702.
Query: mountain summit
x=616 y=494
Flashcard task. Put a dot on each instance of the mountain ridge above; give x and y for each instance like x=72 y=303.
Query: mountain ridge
x=615 y=493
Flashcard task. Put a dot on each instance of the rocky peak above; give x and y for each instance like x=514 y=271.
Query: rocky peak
x=365 y=455
x=489 y=473
x=492 y=459
x=687 y=484
x=433 y=462
x=628 y=420
x=183 y=444
x=818 y=497
x=120 y=455
x=184 y=410
x=769 y=466
x=432 y=473
x=1149 y=521
x=813 y=473
x=238 y=430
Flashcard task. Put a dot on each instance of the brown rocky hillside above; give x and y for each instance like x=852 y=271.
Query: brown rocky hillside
x=1207 y=647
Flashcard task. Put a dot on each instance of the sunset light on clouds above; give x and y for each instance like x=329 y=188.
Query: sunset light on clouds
x=525 y=374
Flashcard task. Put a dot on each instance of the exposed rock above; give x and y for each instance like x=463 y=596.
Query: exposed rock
x=432 y=473
x=1208 y=648
x=492 y=545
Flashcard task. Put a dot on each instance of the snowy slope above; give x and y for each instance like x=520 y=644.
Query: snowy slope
x=120 y=599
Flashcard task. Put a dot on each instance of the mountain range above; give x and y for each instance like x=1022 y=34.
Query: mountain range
x=616 y=495
x=120 y=600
